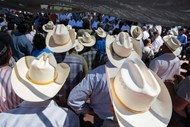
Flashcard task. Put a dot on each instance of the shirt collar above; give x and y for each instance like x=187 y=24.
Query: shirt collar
x=48 y=103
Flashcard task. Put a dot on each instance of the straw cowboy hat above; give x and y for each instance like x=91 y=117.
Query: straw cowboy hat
x=38 y=79
x=78 y=46
x=87 y=39
x=122 y=47
x=60 y=39
x=138 y=95
x=136 y=32
x=100 y=32
x=48 y=27
x=173 y=44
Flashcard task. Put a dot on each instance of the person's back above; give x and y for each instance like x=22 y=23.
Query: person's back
x=39 y=114
x=8 y=98
x=167 y=64
x=21 y=45
x=93 y=87
x=37 y=82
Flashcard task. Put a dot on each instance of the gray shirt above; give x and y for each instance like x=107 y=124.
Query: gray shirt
x=39 y=114
x=93 y=87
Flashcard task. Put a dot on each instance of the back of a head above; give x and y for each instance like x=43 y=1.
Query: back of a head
x=86 y=24
x=39 y=41
x=23 y=27
x=4 y=53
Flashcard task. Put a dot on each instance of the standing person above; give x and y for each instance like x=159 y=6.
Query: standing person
x=21 y=45
x=85 y=27
x=148 y=53
x=157 y=43
x=183 y=39
x=138 y=96
x=8 y=98
x=37 y=82
x=89 y=53
x=167 y=64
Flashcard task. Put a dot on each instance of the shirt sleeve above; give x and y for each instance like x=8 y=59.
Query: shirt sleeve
x=79 y=95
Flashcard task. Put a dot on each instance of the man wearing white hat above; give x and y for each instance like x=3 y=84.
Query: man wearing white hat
x=94 y=85
x=37 y=81
x=63 y=44
x=167 y=64
x=138 y=95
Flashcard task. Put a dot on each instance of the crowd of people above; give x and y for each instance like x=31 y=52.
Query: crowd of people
x=63 y=69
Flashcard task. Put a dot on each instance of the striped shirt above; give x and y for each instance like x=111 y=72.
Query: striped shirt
x=90 y=58
x=8 y=98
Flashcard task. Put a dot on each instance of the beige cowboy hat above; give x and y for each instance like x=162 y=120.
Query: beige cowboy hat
x=138 y=95
x=173 y=44
x=136 y=32
x=48 y=27
x=38 y=79
x=60 y=39
x=78 y=46
x=122 y=47
x=87 y=39
x=100 y=32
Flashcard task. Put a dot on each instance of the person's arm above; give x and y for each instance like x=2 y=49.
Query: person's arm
x=79 y=95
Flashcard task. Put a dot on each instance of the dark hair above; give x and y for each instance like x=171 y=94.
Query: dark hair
x=39 y=41
x=10 y=26
x=146 y=41
x=4 y=53
x=23 y=27
x=155 y=32
x=86 y=24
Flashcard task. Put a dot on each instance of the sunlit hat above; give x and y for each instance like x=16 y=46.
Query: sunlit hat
x=173 y=44
x=78 y=46
x=60 y=39
x=100 y=32
x=136 y=32
x=138 y=95
x=38 y=79
x=87 y=39
x=48 y=27
x=122 y=47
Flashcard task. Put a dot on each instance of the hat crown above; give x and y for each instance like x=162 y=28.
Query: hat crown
x=135 y=86
x=61 y=35
x=43 y=70
x=49 y=25
x=122 y=45
x=136 y=32
x=171 y=42
x=86 y=37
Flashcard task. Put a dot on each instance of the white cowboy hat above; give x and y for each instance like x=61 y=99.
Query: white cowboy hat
x=138 y=95
x=87 y=39
x=173 y=44
x=100 y=32
x=38 y=79
x=48 y=27
x=78 y=46
x=122 y=47
x=60 y=39
x=136 y=32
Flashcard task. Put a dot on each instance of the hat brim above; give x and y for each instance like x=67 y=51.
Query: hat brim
x=43 y=27
x=57 y=48
x=115 y=59
x=103 y=35
x=30 y=91
x=157 y=116
x=177 y=52
x=131 y=31
x=87 y=44
x=80 y=46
